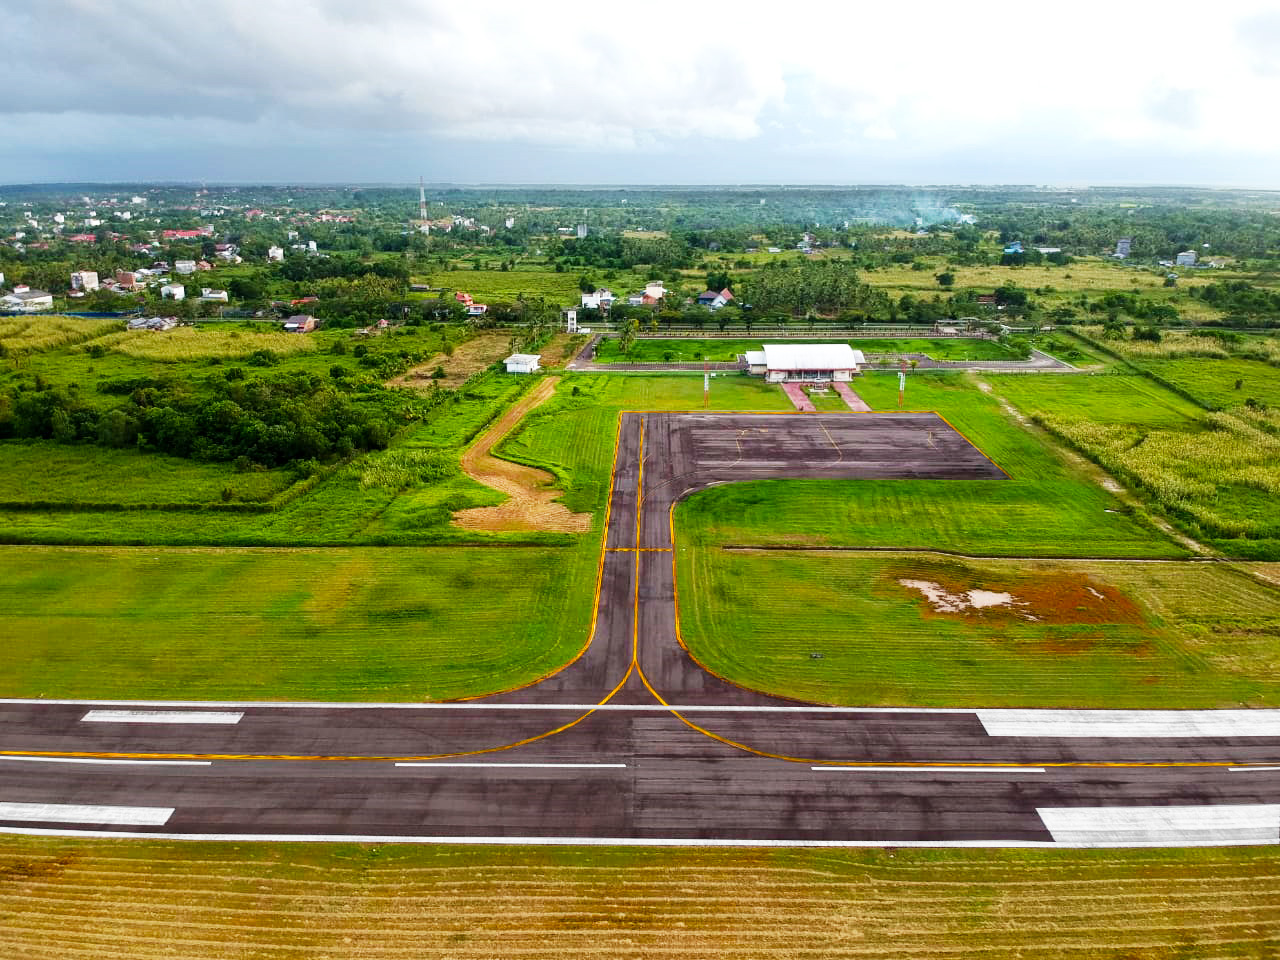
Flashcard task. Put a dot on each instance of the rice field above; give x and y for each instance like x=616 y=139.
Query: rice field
x=685 y=350
x=34 y=334
x=184 y=344
x=88 y=899
x=300 y=624
x=857 y=629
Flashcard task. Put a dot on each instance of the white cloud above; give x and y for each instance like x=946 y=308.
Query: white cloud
x=908 y=80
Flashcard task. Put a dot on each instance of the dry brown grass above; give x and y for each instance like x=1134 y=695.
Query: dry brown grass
x=97 y=900
x=469 y=357
x=531 y=502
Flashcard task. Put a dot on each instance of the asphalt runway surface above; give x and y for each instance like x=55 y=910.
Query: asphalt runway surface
x=633 y=742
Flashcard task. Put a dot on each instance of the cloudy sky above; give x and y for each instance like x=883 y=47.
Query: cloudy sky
x=659 y=92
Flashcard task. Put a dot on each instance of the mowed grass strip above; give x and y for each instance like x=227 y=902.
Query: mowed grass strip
x=71 y=899
x=328 y=624
x=843 y=628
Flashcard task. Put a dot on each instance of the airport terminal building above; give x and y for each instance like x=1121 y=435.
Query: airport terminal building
x=818 y=362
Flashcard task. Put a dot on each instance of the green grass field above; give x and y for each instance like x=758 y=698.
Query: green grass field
x=689 y=350
x=1213 y=382
x=79 y=899
x=1050 y=506
x=1184 y=635
x=332 y=624
x=47 y=472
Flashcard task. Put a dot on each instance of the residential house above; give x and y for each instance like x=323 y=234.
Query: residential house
x=83 y=238
x=477 y=309
x=713 y=300
x=86 y=281
x=1015 y=247
x=1187 y=258
x=463 y=298
x=128 y=281
x=213 y=296
x=173 y=291
x=302 y=323
x=1122 y=248
x=601 y=299
x=184 y=266
x=275 y=253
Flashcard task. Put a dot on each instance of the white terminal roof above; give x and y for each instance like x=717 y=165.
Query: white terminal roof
x=811 y=356
x=754 y=358
x=523 y=358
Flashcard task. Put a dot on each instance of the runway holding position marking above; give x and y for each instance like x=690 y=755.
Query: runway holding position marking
x=633 y=742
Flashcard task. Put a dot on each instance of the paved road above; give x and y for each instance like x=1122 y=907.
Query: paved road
x=633 y=742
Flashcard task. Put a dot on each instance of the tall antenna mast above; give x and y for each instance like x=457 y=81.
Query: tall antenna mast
x=422 y=200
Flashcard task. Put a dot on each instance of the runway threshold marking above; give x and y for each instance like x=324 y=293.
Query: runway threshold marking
x=85 y=813
x=162 y=716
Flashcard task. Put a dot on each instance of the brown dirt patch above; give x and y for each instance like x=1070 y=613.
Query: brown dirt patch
x=562 y=348
x=1048 y=598
x=469 y=358
x=531 y=497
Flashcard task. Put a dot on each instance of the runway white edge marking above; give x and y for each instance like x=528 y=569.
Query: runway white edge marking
x=86 y=813
x=1131 y=723
x=905 y=769
x=522 y=766
x=161 y=716
x=1251 y=769
x=478 y=705
x=994 y=843
x=136 y=763
x=1199 y=825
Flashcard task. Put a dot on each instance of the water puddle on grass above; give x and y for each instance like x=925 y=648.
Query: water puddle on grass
x=944 y=601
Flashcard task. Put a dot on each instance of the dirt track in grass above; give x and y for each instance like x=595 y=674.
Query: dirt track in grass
x=531 y=497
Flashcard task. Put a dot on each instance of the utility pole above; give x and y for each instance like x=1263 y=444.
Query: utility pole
x=706 y=385
x=902 y=382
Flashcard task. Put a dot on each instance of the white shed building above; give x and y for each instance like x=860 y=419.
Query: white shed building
x=805 y=361
x=523 y=362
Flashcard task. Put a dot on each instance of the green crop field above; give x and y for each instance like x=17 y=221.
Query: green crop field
x=1213 y=382
x=682 y=350
x=843 y=628
x=78 y=899
x=332 y=624
x=1099 y=399
x=1049 y=506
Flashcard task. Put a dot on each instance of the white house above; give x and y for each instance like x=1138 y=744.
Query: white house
x=779 y=362
x=655 y=289
x=275 y=253
x=1187 y=258
x=601 y=299
x=216 y=296
x=173 y=291
x=477 y=309
x=25 y=300
x=184 y=266
x=86 y=280
x=523 y=362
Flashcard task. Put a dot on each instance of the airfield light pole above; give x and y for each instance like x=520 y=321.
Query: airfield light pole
x=706 y=385
x=902 y=382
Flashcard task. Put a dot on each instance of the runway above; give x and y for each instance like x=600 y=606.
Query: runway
x=633 y=742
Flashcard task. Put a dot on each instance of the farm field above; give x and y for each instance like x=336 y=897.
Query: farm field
x=487 y=286
x=77 y=899
x=1050 y=506
x=329 y=624
x=1213 y=382
x=685 y=350
x=897 y=629
x=1214 y=472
